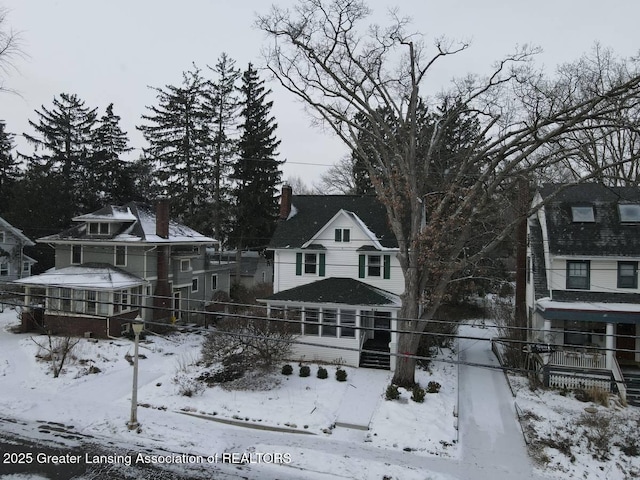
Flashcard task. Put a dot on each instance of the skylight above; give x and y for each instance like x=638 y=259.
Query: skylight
x=582 y=214
x=629 y=212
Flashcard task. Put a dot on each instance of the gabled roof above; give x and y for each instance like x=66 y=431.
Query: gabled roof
x=342 y=291
x=310 y=213
x=90 y=276
x=138 y=224
x=17 y=232
x=606 y=235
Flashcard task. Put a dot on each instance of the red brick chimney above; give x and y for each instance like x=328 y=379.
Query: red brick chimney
x=285 y=201
x=162 y=217
x=162 y=294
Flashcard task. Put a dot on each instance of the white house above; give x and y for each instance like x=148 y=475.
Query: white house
x=583 y=296
x=336 y=271
x=14 y=263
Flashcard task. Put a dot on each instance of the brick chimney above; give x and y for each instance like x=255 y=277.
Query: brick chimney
x=162 y=296
x=285 y=201
x=162 y=217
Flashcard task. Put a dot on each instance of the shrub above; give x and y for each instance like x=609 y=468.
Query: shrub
x=305 y=371
x=187 y=386
x=287 y=369
x=392 y=392
x=341 y=375
x=322 y=373
x=433 y=387
x=418 y=394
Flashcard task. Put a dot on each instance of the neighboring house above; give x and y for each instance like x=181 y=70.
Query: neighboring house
x=120 y=262
x=336 y=271
x=255 y=269
x=14 y=264
x=583 y=296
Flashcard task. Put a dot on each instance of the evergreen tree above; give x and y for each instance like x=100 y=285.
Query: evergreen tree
x=112 y=174
x=178 y=136
x=9 y=169
x=222 y=105
x=256 y=170
x=62 y=173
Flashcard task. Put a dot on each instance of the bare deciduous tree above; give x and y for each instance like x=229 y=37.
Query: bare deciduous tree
x=10 y=48
x=338 y=179
x=57 y=351
x=344 y=70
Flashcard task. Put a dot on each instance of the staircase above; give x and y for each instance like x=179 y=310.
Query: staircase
x=632 y=381
x=375 y=355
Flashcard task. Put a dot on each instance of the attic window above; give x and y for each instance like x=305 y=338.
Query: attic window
x=582 y=214
x=98 y=228
x=629 y=212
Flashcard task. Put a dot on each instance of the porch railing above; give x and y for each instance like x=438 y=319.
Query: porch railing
x=590 y=359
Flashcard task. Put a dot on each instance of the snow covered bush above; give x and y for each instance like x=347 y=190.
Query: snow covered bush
x=287 y=369
x=341 y=375
x=322 y=373
x=305 y=371
x=187 y=386
x=418 y=394
x=392 y=392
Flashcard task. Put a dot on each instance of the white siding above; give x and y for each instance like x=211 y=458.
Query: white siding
x=321 y=350
x=341 y=260
x=603 y=275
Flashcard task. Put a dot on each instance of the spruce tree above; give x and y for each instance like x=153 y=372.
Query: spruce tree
x=9 y=169
x=62 y=173
x=179 y=142
x=112 y=174
x=222 y=106
x=256 y=171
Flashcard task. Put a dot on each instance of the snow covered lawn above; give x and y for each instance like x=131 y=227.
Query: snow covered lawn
x=573 y=439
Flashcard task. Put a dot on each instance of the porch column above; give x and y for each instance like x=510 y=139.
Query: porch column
x=609 y=344
x=546 y=338
x=393 y=344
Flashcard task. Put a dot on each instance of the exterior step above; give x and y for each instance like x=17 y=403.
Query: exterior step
x=375 y=360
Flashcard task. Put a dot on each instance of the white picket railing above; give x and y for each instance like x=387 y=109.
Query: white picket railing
x=577 y=359
x=558 y=380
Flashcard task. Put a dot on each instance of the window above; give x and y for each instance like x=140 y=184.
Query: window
x=374 y=266
x=116 y=302
x=194 y=285
x=582 y=333
x=65 y=299
x=311 y=321
x=342 y=235
x=578 y=274
x=627 y=274
x=347 y=323
x=629 y=212
x=98 y=228
x=3 y=237
x=26 y=267
x=103 y=303
x=214 y=282
x=121 y=256
x=76 y=254
x=310 y=263
x=4 y=269
x=91 y=301
x=185 y=265
x=329 y=322
x=582 y=214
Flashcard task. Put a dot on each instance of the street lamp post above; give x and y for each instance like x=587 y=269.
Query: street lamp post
x=133 y=422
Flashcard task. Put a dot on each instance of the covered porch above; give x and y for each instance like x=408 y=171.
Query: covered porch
x=340 y=320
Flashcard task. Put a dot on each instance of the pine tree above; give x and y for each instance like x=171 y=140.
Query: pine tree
x=178 y=136
x=111 y=172
x=256 y=170
x=222 y=106
x=64 y=170
x=9 y=169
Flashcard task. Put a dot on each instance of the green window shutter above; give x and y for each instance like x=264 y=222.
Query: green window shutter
x=387 y=267
x=338 y=235
x=361 y=264
x=299 y=263
x=322 y=265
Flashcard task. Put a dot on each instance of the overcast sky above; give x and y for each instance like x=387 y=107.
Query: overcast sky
x=110 y=51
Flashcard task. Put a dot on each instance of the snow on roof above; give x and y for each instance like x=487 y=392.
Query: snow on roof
x=177 y=231
x=85 y=276
x=548 y=304
x=112 y=213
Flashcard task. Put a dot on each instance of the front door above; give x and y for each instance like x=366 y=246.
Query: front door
x=382 y=328
x=625 y=342
x=176 y=305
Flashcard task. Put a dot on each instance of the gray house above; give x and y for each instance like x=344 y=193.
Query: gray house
x=14 y=264
x=120 y=262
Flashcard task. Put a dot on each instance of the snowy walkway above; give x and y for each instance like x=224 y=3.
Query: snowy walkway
x=361 y=398
x=490 y=436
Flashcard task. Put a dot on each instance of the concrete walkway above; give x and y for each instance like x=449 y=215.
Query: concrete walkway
x=361 y=399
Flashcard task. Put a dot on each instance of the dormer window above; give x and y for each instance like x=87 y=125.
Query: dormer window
x=629 y=212
x=583 y=214
x=98 y=228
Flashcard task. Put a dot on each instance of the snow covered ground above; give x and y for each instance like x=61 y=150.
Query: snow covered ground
x=406 y=440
